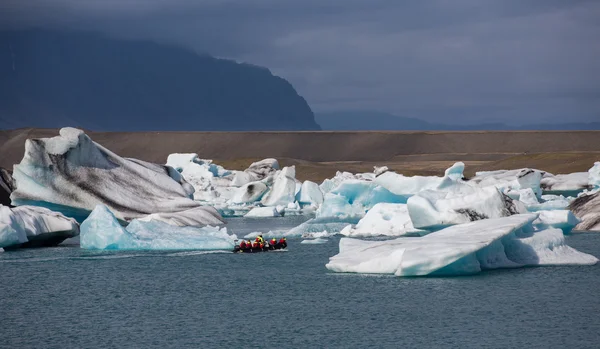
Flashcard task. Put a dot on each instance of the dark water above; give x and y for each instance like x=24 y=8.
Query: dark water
x=66 y=297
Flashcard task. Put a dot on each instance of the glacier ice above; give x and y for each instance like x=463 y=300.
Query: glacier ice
x=436 y=209
x=7 y=185
x=461 y=249
x=587 y=208
x=264 y=212
x=562 y=219
x=316 y=241
x=102 y=231
x=31 y=226
x=71 y=174
x=406 y=187
x=566 y=184
x=328 y=225
x=594 y=175
x=283 y=190
x=249 y=193
x=310 y=194
x=506 y=180
x=384 y=219
x=194 y=217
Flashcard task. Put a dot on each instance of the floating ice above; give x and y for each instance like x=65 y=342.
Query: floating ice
x=462 y=249
x=562 y=219
x=283 y=190
x=31 y=226
x=330 y=225
x=594 y=175
x=102 y=231
x=384 y=219
x=72 y=174
x=316 y=241
x=587 y=208
x=436 y=209
x=351 y=199
x=566 y=184
x=263 y=212
x=510 y=180
x=406 y=187
x=310 y=194
x=249 y=193
x=195 y=217
x=7 y=185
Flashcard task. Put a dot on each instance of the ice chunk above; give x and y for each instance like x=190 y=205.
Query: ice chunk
x=562 y=219
x=195 y=217
x=380 y=170
x=102 y=231
x=594 y=175
x=283 y=190
x=316 y=241
x=435 y=209
x=566 y=184
x=406 y=187
x=329 y=225
x=587 y=208
x=461 y=249
x=263 y=212
x=72 y=174
x=384 y=219
x=249 y=193
x=510 y=180
x=7 y=185
x=310 y=194
x=455 y=172
x=351 y=199
x=31 y=226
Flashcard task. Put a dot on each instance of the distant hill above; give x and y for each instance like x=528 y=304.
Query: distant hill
x=54 y=79
x=378 y=121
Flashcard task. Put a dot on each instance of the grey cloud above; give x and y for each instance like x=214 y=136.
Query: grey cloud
x=465 y=60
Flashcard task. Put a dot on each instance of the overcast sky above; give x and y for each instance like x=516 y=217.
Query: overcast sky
x=517 y=61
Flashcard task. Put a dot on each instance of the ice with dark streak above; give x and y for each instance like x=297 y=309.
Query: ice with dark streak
x=72 y=174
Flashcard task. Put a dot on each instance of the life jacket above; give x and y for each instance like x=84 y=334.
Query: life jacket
x=282 y=241
x=243 y=244
x=255 y=244
x=262 y=245
x=273 y=242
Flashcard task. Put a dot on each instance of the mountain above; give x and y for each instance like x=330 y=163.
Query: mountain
x=378 y=121
x=59 y=78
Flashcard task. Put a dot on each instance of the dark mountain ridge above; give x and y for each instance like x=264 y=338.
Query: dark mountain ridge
x=58 y=78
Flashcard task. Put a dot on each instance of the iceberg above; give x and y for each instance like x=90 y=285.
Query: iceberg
x=31 y=226
x=351 y=199
x=384 y=219
x=310 y=194
x=594 y=175
x=405 y=187
x=316 y=241
x=562 y=219
x=7 y=185
x=194 y=217
x=102 y=231
x=72 y=174
x=324 y=226
x=249 y=193
x=283 y=190
x=431 y=210
x=468 y=248
x=263 y=212
x=587 y=208
x=565 y=184
x=506 y=180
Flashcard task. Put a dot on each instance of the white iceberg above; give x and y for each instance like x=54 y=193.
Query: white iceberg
x=594 y=175
x=72 y=174
x=567 y=184
x=194 y=217
x=507 y=180
x=283 y=190
x=31 y=226
x=461 y=249
x=437 y=209
x=102 y=231
x=329 y=225
x=249 y=193
x=310 y=194
x=316 y=241
x=263 y=212
x=562 y=219
x=384 y=219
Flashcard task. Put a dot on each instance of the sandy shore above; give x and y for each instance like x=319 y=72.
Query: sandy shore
x=318 y=155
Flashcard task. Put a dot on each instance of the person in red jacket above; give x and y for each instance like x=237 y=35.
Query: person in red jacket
x=243 y=245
